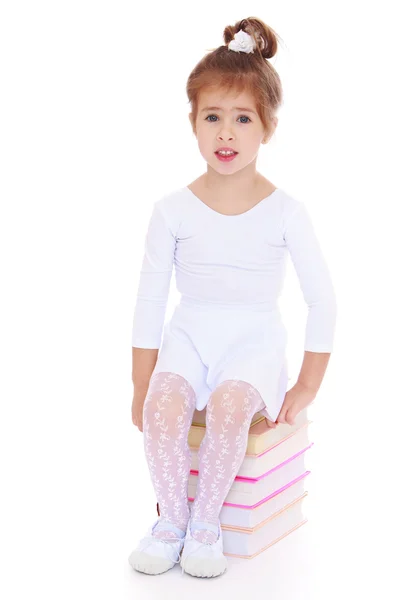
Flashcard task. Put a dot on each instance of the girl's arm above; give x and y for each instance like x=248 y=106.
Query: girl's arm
x=313 y=369
x=152 y=297
x=144 y=361
x=318 y=292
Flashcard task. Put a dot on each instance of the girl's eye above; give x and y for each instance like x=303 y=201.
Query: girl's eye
x=241 y=117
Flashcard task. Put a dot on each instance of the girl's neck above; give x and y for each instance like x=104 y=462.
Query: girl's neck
x=231 y=188
x=245 y=190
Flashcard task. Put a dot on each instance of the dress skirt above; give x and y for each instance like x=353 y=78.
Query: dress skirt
x=209 y=345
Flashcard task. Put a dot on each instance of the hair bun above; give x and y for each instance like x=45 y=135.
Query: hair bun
x=266 y=39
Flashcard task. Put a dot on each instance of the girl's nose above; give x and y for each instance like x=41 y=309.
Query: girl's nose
x=225 y=137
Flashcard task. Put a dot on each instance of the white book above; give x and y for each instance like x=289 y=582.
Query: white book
x=232 y=515
x=248 y=543
x=251 y=491
x=246 y=516
x=254 y=466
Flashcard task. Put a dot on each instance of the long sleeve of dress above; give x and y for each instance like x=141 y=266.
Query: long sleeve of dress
x=154 y=282
x=315 y=281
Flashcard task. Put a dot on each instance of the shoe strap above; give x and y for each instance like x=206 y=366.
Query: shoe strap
x=162 y=525
x=203 y=525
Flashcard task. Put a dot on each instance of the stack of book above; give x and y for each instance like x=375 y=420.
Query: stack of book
x=265 y=501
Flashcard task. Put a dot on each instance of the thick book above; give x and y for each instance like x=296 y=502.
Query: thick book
x=199 y=417
x=260 y=436
x=248 y=491
x=257 y=465
x=248 y=543
x=250 y=516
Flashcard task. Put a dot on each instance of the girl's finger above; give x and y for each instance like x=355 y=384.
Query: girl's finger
x=290 y=417
x=282 y=416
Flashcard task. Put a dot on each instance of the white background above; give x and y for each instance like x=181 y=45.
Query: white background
x=94 y=129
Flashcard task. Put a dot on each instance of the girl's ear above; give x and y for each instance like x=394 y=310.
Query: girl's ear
x=275 y=121
x=271 y=130
x=191 y=122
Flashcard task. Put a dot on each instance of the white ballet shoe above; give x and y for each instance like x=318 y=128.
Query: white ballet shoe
x=155 y=555
x=203 y=559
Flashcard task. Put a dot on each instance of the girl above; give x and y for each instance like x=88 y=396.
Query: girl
x=228 y=234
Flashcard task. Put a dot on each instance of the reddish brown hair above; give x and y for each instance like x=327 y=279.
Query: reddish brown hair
x=225 y=70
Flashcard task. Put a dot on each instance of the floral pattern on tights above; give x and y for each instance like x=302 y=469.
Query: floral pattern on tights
x=229 y=414
x=168 y=412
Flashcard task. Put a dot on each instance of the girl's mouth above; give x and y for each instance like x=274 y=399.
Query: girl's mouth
x=227 y=158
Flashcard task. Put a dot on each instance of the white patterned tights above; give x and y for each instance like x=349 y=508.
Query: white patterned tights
x=168 y=412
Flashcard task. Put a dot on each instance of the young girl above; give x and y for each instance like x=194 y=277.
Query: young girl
x=228 y=234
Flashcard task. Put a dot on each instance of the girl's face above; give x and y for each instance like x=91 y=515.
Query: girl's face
x=233 y=123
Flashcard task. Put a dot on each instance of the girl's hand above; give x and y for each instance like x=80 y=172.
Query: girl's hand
x=296 y=399
x=137 y=409
x=271 y=424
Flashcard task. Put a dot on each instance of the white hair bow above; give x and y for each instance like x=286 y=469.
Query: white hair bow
x=242 y=42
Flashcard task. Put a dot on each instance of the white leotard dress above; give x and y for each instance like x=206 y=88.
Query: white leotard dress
x=229 y=272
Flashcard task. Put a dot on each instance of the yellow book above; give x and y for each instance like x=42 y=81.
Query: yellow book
x=260 y=436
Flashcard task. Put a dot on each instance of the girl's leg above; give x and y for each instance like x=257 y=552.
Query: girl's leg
x=229 y=414
x=167 y=417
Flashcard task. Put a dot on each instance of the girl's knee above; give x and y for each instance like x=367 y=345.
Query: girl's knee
x=169 y=398
x=166 y=382
x=235 y=397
